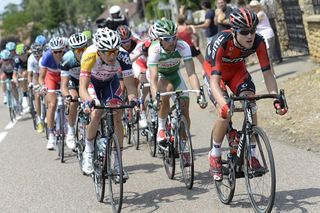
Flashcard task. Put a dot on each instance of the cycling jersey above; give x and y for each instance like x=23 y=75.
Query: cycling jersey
x=52 y=79
x=19 y=65
x=33 y=64
x=70 y=65
x=140 y=64
x=168 y=63
x=7 y=69
x=92 y=65
x=225 y=59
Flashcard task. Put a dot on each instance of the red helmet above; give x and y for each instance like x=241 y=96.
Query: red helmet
x=243 y=19
x=124 y=32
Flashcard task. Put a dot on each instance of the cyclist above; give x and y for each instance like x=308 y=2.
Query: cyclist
x=41 y=39
x=7 y=72
x=20 y=66
x=134 y=47
x=33 y=79
x=99 y=65
x=89 y=36
x=49 y=79
x=225 y=65
x=164 y=58
x=11 y=46
x=70 y=69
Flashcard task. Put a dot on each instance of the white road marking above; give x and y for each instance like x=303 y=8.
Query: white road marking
x=10 y=125
x=3 y=135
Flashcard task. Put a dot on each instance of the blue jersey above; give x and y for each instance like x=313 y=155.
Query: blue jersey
x=70 y=65
x=49 y=63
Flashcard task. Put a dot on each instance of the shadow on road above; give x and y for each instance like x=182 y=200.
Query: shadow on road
x=287 y=201
x=145 y=168
x=149 y=201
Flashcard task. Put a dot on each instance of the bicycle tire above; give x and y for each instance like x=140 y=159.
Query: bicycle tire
x=115 y=196
x=32 y=112
x=43 y=118
x=186 y=157
x=259 y=201
x=151 y=134
x=126 y=126
x=80 y=138
x=135 y=129
x=169 y=156
x=98 y=177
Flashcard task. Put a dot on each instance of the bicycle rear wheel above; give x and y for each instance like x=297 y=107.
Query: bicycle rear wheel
x=151 y=133
x=261 y=182
x=135 y=130
x=32 y=111
x=126 y=126
x=115 y=176
x=185 y=152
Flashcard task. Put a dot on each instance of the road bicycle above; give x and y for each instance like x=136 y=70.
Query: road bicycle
x=261 y=182
x=107 y=160
x=11 y=100
x=178 y=143
x=43 y=115
x=31 y=107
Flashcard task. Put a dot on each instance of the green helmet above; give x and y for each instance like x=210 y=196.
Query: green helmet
x=87 y=33
x=164 y=27
x=21 y=49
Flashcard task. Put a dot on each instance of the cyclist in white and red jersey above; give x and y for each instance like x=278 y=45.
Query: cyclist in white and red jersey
x=225 y=65
x=49 y=80
x=99 y=82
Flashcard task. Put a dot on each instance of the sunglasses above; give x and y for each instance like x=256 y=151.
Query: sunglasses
x=109 y=52
x=247 y=31
x=169 y=39
x=37 y=55
x=58 y=52
x=80 y=50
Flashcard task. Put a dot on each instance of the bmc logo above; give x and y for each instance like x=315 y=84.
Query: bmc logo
x=215 y=46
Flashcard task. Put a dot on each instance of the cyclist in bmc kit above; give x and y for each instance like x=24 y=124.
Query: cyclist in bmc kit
x=225 y=65
x=164 y=58
x=99 y=83
x=70 y=70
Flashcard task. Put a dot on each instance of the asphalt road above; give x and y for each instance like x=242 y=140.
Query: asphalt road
x=32 y=179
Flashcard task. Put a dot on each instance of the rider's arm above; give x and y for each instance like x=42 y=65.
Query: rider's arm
x=270 y=82
x=42 y=75
x=83 y=88
x=129 y=82
x=193 y=79
x=153 y=80
x=64 y=85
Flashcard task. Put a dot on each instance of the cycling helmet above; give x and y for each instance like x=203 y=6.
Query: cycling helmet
x=88 y=34
x=124 y=32
x=56 y=43
x=78 y=40
x=40 y=39
x=164 y=27
x=243 y=19
x=36 y=48
x=152 y=35
x=114 y=9
x=10 y=46
x=21 y=49
x=106 y=39
x=5 y=54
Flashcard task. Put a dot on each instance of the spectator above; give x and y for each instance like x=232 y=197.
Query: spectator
x=185 y=33
x=270 y=7
x=116 y=19
x=223 y=12
x=208 y=25
x=264 y=29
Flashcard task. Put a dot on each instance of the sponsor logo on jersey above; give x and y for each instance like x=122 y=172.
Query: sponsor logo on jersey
x=230 y=60
x=124 y=57
x=215 y=46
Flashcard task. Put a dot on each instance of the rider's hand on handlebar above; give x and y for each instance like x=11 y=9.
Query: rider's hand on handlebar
x=88 y=105
x=67 y=99
x=279 y=109
x=156 y=104
x=224 y=111
x=30 y=85
x=43 y=90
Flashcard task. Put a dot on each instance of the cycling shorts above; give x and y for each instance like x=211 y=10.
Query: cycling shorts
x=73 y=83
x=8 y=74
x=107 y=92
x=52 y=80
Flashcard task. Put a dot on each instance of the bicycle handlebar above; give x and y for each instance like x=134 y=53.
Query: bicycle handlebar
x=179 y=92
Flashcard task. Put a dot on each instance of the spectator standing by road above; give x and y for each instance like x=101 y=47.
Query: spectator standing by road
x=270 y=7
x=222 y=12
x=208 y=25
x=264 y=29
x=185 y=33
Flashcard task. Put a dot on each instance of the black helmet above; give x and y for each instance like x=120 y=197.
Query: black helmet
x=243 y=19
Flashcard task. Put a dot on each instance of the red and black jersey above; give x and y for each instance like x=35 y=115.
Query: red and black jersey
x=222 y=55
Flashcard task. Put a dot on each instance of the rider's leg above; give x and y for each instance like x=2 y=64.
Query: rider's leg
x=72 y=110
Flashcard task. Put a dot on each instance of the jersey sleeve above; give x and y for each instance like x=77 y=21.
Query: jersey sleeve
x=154 y=54
x=125 y=63
x=30 y=66
x=262 y=54
x=184 y=50
x=87 y=62
x=213 y=61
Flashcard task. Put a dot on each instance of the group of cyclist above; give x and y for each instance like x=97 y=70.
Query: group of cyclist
x=108 y=68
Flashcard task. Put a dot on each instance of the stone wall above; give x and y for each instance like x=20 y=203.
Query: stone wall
x=313 y=28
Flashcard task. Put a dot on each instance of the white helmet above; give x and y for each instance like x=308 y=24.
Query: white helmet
x=152 y=35
x=56 y=43
x=114 y=9
x=78 y=40
x=106 y=39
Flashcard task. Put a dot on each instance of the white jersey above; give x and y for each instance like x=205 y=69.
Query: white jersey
x=33 y=64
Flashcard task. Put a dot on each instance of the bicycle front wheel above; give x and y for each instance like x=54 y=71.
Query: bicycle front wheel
x=135 y=129
x=114 y=172
x=98 y=165
x=61 y=135
x=260 y=180
x=80 y=138
x=151 y=133
x=185 y=152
